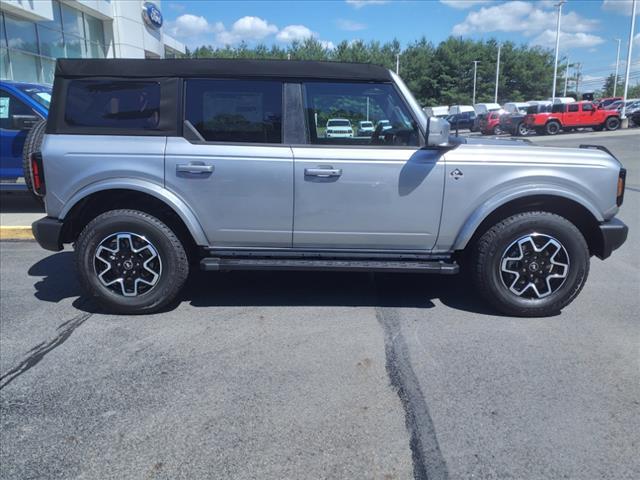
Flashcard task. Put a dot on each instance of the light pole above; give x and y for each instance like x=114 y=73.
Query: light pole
x=615 y=80
x=566 y=78
x=555 y=63
x=623 y=114
x=495 y=96
x=475 y=74
x=397 y=64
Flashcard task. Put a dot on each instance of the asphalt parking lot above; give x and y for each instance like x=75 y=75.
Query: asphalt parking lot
x=321 y=375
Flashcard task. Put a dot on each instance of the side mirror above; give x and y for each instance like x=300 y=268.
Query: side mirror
x=24 y=122
x=437 y=132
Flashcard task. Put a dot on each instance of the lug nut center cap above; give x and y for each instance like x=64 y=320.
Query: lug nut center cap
x=534 y=267
x=127 y=264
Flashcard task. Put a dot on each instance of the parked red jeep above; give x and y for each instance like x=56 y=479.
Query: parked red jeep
x=489 y=123
x=569 y=116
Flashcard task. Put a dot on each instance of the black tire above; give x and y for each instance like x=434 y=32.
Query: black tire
x=552 y=128
x=174 y=264
x=32 y=143
x=521 y=130
x=612 y=123
x=493 y=245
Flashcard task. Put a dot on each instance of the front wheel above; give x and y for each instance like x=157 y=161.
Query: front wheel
x=531 y=264
x=130 y=262
x=522 y=130
x=612 y=123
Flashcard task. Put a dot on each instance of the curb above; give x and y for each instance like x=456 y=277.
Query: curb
x=16 y=233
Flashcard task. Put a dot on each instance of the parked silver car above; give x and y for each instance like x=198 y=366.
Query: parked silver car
x=152 y=168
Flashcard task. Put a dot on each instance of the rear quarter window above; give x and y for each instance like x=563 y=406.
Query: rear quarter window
x=113 y=104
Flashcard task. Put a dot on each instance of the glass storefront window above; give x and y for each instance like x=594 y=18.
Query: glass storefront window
x=51 y=44
x=4 y=63
x=56 y=23
x=96 y=50
x=94 y=29
x=3 y=39
x=75 y=46
x=21 y=34
x=48 y=69
x=24 y=66
x=72 y=21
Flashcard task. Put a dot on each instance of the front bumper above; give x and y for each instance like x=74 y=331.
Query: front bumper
x=48 y=233
x=613 y=235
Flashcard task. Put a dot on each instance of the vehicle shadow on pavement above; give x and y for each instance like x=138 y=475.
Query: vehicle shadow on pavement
x=213 y=289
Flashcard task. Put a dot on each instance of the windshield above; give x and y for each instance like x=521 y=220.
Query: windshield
x=338 y=123
x=366 y=124
x=40 y=94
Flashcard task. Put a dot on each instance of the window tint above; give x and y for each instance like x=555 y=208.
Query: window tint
x=558 y=108
x=113 y=104
x=587 y=107
x=574 y=107
x=235 y=110
x=10 y=106
x=355 y=102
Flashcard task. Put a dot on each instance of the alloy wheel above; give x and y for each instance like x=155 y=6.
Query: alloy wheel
x=128 y=264
x=534 y=266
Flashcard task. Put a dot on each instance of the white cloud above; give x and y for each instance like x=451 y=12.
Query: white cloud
x=463 y=4
x=188 y=25
x=247 y=29
x=519 y=16
x=567 y=40
x=619 y=6
x=349 y=25
x=327 y=44
x=293 y=33
x=364 y=3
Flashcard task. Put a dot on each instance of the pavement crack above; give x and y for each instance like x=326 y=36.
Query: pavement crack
x=428 y=461
x=36 y=354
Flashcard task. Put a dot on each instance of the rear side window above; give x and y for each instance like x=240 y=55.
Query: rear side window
x=113 y=104
x=235 y=111
x=573 y=107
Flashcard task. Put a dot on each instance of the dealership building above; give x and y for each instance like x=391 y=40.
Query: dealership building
x=33 y=33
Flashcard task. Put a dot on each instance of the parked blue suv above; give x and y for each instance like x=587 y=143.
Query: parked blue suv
x=22 y=105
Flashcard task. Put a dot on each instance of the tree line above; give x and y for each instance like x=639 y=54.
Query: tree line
x=436 y=74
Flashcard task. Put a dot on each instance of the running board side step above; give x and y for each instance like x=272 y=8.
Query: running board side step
x=226 y=264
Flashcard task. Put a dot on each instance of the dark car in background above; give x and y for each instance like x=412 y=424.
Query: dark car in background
x=512 y=120
x=461 y=121
x=22 y=106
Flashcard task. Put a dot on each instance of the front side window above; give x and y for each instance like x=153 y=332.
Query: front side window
x=243 y=111
x=10 y=107
x=113 y=104
x=587 y=107
x=334 y=109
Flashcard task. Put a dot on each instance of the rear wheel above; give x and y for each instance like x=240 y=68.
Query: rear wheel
x=32 y=143
x=612 y=123
x=130 y=262
x=552 y=128
x=496 y=130
x=531 y=264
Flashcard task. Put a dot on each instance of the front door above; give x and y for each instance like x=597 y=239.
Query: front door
x=231 y=167
x=376 y=192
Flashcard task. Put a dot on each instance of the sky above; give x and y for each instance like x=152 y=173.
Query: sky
x=588 y=26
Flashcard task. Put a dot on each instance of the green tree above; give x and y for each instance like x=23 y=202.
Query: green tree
x=607 y=87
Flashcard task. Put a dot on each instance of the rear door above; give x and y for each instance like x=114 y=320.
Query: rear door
x=382 y=192
x=572 y=115
x=231 y=166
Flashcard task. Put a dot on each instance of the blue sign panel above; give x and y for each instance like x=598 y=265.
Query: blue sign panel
x=151 y=15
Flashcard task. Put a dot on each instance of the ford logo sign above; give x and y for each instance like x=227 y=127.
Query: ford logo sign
x=151 y=15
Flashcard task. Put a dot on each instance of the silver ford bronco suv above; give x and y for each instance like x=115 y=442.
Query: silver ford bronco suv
x=154 y=167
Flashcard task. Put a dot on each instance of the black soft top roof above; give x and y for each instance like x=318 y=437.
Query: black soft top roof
x=201 y=67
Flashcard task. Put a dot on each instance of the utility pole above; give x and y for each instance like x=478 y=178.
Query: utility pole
x=555 y=63
x=623 y=114
x=566 y=78
x=615 y=80
x=475 y=75
x=495 y=97
x=397 y=64
x=578 y=74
